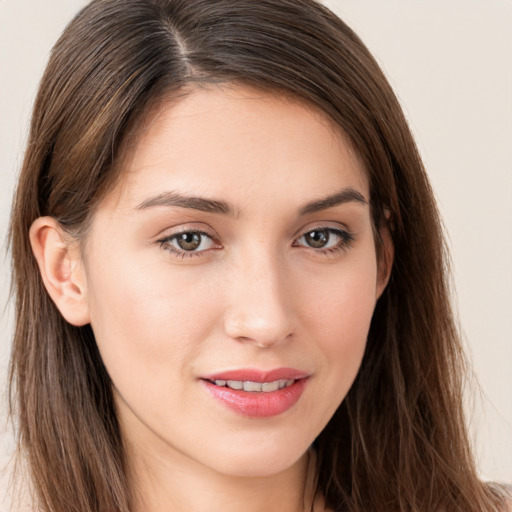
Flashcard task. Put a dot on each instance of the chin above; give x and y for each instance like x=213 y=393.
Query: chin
x=258 y=459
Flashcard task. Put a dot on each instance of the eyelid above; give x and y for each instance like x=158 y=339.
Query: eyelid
x=346 y=236
x=164 y=241
x=186 y=227
x=327 y=225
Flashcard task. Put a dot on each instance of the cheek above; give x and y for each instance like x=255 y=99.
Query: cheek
x=146 y=320
x=339 y=310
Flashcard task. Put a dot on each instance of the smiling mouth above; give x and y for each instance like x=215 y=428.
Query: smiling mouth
x=254 y=387
x=255 y=393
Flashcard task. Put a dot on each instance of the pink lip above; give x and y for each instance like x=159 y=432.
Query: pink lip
x=255 y=375
x=258 y=404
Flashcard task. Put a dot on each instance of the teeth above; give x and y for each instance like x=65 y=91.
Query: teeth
x=252 y=386
x=255 y=387
x=235 y=384
x=271 y=386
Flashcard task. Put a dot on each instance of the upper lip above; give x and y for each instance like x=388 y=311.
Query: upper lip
x=257 y=375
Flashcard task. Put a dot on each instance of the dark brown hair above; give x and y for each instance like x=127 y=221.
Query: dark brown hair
x=398 y=441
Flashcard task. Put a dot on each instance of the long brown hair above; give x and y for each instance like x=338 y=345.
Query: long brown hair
x=398 y=441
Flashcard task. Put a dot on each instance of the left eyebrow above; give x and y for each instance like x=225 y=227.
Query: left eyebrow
x=347 y=195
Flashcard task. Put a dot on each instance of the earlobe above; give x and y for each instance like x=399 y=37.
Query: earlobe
x=61 y=269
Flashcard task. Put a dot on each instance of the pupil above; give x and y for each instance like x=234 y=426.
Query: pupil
x=317 y=239
x=189 y=241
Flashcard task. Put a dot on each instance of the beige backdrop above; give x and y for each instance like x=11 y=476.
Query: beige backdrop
x=451 y=64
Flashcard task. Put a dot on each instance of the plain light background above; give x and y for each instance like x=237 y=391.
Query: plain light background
x=450 y=63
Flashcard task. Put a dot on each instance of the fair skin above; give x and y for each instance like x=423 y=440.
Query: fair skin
x=270 y=277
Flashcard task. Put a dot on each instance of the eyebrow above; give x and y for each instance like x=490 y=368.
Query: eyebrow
x=170 y=199
x=195 y=203
x=347 y=195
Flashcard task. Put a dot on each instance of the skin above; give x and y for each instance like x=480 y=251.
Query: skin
x=254 y=294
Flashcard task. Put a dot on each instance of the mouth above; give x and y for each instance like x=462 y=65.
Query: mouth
x=255 y=393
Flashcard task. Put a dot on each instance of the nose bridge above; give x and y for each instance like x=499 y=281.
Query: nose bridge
x=260 y=308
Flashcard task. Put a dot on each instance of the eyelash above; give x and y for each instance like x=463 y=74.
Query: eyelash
x=165 y=243
x=346 y=240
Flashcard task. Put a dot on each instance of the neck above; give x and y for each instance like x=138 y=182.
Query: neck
x=182 y=485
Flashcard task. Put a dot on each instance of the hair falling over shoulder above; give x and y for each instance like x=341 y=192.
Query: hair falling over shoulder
x=398 y=442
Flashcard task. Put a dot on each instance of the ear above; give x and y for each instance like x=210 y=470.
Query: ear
x=60 y=264
x=386 y=257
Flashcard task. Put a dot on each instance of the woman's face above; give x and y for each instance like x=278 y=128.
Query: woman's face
x=236 y=252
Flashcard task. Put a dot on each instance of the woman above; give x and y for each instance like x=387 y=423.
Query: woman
x=230 y=273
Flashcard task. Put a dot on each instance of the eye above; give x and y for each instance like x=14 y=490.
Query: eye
x=325 y=239
x=187 y=243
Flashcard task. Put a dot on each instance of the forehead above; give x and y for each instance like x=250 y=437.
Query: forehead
x=238 y=141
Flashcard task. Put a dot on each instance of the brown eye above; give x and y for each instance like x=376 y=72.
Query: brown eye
x=325 y=239
x=318 y=238
x=188 y=241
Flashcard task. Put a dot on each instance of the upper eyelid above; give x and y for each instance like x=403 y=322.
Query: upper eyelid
x=338 y=231
x=172 y=236
x=331 y=226
x=165 y=244
x=178 y=230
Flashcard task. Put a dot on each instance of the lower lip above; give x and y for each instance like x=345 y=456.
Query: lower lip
x=258 y=404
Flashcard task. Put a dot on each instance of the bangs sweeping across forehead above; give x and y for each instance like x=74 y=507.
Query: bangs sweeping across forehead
x=398 y=441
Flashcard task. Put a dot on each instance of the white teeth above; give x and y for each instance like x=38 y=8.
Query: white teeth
x=255 y=387
x=235 y=384
x=272 y=386
x=252 y=386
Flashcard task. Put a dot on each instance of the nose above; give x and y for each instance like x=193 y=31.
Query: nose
x=260 y=309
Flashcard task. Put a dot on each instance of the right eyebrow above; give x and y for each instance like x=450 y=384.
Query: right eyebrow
x=192 y=202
